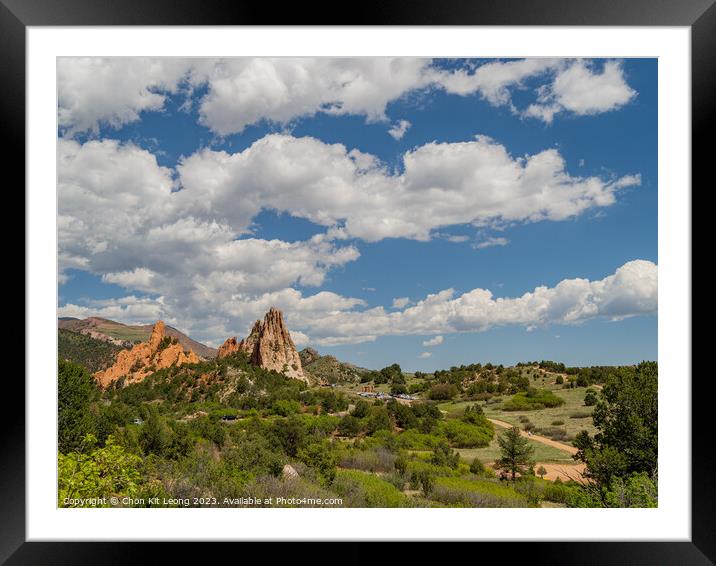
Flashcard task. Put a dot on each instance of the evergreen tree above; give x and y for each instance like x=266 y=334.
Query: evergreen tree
x=75 y=391
x=516 y=452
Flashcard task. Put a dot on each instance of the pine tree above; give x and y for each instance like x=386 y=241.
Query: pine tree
x=516 y=452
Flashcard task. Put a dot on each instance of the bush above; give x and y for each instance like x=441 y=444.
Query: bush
x=558 y=422
x=102 y=473
x=590 y=398
x=359 y=489
x=476 y=493
x=377 y=460
x=531 y=400
x=477 y=467
x=442 y=392
x=349 y=426
x=466 y=435
x=555 y=433
x=319 y=456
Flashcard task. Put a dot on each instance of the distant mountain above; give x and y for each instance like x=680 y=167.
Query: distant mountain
x=125 y=335
x=329 y=369
x=86 y=351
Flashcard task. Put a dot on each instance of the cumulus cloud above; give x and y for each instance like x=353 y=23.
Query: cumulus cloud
x=243 y=91
x=401 y=302
x=630 y=291
x=433 y=341
x=113 y=91
x=351 y=192
x=582 y=89
x=398 y=130
x=425 y=355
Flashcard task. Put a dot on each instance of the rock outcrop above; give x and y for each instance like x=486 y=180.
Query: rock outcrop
x=135 y=364
x=229 y=347
x=269 y=346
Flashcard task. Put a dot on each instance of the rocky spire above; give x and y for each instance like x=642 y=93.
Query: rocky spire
x=270 y=346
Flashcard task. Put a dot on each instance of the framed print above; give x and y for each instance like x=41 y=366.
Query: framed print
x=406 y=278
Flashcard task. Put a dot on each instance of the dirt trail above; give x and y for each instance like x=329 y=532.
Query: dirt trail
x=537 y=438
x=565 y=472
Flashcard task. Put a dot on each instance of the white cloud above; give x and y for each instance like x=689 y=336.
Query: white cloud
x=582 y=89
x=245 y=91
x=425 y=355
x=490 y=242
x=114 y=91
x=178 y=237
x=630 y=291
x=352 y=193
x=398 y=130
x=494 y=80
x=129 y=310
x=433 y=341
x=400 y=302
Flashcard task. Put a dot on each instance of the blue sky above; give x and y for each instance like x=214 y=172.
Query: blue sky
x=132 y=160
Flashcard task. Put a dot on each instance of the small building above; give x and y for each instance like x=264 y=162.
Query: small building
x=368 y=389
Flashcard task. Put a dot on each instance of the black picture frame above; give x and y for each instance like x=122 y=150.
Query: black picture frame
x=699 y=15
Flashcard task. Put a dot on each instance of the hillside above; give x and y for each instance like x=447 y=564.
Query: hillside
x=125 y=335
x=86 y=351
x=328 y=368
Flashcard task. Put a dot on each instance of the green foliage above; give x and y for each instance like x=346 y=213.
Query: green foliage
x=516 y=452
x=349 y=426
x=289 y=434
x=636 y=490
x=443 y=455
x=477 y=467
x=367 y=490
x=462 y=492
x=97 y=473
x=590 y=398
x=75 y=391
x=465 y=435
x=285 y=407
x=92 y=354
x=321 y=457
x=627 y=418
x=442 y=392
x=532 y=400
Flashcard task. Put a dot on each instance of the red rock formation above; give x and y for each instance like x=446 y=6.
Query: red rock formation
x=145 y=358
x=270 y=346
x=229 y=347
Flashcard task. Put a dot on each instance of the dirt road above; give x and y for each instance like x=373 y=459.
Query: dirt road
x=537 y=438
x=564 y=471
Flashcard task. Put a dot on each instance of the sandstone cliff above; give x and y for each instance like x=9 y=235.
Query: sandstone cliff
x=161 y=351
x=269 y=346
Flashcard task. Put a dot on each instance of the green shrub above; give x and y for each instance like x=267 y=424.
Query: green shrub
x=466 y=435
x=367 y=490
x=476 y=493
x=442 y=392
x=590 y=398
x=101 y=473
x=531 y=400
